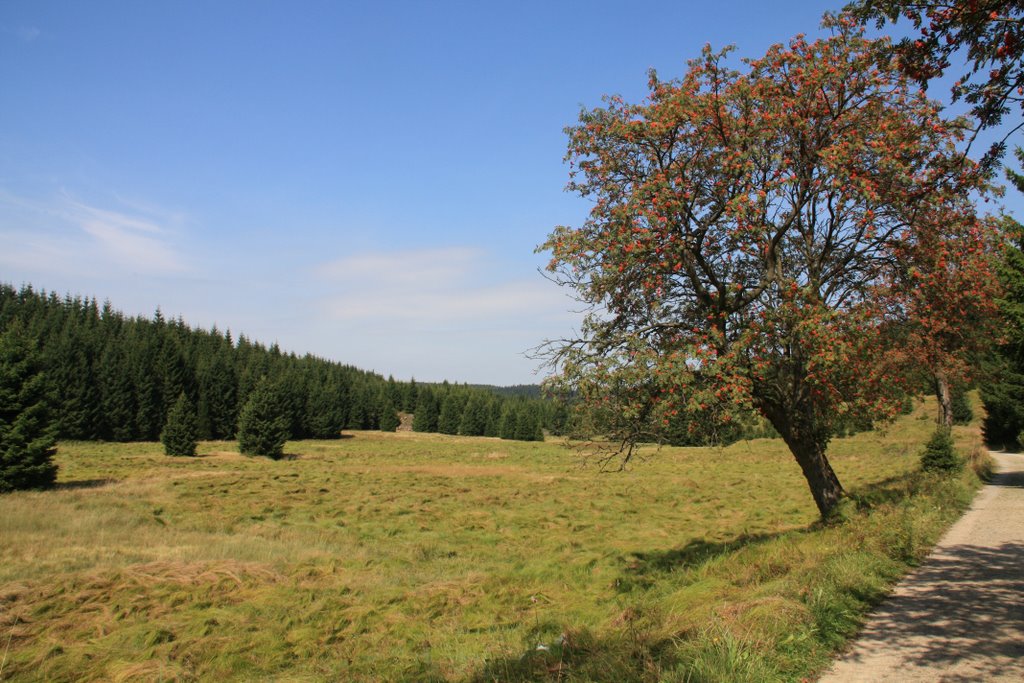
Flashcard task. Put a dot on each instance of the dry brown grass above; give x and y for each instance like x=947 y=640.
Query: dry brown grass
x=427 y=557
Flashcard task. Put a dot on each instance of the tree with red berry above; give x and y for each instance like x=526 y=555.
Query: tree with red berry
x=748 y=245
x=988 y=35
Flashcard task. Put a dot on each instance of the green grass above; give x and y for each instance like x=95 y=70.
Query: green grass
x=424 y=557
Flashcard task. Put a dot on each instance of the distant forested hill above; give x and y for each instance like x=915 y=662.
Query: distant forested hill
x=115 y=377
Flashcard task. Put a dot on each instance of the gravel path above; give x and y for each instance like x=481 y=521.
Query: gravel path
x=960 y=616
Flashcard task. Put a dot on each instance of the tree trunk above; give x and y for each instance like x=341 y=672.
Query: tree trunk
x=945 y=399
x=807 y=442
x=818 y=472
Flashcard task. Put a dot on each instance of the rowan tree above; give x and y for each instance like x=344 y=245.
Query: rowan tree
x=987 y=35
x=747 y=233
x=948 y=293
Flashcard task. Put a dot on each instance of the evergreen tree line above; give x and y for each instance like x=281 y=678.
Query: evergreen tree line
x=117 y=378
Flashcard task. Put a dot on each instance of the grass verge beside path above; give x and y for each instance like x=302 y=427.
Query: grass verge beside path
x=422 y=557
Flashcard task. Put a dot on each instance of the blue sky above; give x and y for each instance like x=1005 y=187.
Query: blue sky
x=362 y=181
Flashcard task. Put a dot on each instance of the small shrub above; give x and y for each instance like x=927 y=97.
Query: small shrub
x=262 y=429
x=179 y=434
x=907 y=406
x=939 y=455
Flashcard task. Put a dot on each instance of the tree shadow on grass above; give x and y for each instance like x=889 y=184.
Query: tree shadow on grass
x=84 y=484
x=626 y=656
x=890 y=490
x=694 y=553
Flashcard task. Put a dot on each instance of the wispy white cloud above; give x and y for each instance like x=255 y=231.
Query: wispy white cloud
x=133 y=241
x=439 y=267
x=64 y=233
x=439 y=285
x=456 y=304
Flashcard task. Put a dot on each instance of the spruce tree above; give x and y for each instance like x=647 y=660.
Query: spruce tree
x=507 y=427
x=409 y=396
x=451 y=413
x=1003 y=392
x=262 y=429
x=218 y=389
x=426 y=413
x=393 y=392
x=528 y=425
x=326 y=410
x=79 y=411
x=388 y=418
x=118 y=393
x=493 y=426
x=939 y=454
x=179 y=434
x=474 y=416
x=27 y=435
x=363 y=409
x=148 y=403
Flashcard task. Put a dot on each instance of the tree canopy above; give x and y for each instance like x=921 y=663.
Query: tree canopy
x=987 y=35
x=750 y=240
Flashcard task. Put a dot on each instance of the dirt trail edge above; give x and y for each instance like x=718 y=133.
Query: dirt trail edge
x=960 y=615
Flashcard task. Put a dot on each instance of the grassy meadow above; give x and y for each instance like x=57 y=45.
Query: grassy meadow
x=424 y=557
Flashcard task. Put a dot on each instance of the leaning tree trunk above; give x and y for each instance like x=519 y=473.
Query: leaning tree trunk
x=807 y=442
x=945 y=399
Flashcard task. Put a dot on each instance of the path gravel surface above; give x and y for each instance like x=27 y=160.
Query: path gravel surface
x=960 y=616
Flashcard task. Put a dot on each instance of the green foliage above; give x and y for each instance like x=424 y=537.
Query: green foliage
x=27 y=434
x=388 y=419
x=179 y=434
x=1003 y=392
x=474 y=416
x=528 y=424
x=427 y=411
x=410 y=394
x=701 y=428
x=119 y=406
x=326 y=409
x=218 y=388
x=452 y=405
x=1003 y=396
x=509 y=418
x=962 y=412
x=262 y=429
x=983 y=36
x=117 y=378
x=939 y=454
